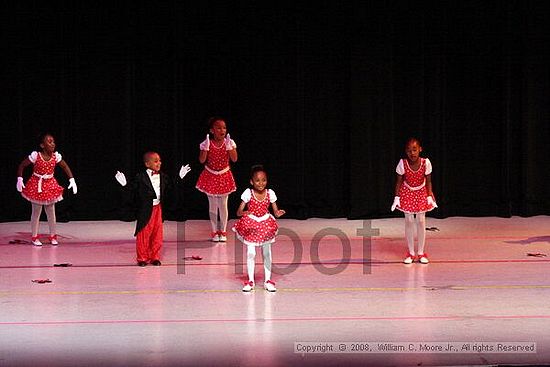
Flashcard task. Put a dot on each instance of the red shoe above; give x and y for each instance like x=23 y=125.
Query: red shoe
x=53 y=240
x=222 y=236
x=269 y=286
x=423 y=259
x=36 y=241
x=248 y=286
x=409 y=259
x=215 y=237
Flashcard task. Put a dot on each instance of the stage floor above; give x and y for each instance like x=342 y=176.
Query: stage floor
x=487 y=284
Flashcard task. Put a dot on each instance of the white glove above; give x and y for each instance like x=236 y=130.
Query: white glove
x=120 y=178
x=205 y=145
x=20 y=184
x=396 y=203
x=72 y=185
x=431 y=201
x=184 y=170
x=229 y=144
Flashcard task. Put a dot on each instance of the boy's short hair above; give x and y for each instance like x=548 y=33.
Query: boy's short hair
x=147 y=155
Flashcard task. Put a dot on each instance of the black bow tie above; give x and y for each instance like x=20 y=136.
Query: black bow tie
x=155 y=173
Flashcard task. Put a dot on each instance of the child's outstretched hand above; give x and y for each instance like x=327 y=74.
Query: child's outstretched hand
x=229 y=143
x=120 y=178
x=279 y=212
x=184 y=170
x=205 y=145
x=72 y=185
x=20 y=185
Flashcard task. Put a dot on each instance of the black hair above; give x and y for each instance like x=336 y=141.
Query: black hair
x=212 y=120
x=42 y=136
x=413 y=139
x=257 y=168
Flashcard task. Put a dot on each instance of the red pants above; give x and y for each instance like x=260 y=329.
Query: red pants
x=149 y=239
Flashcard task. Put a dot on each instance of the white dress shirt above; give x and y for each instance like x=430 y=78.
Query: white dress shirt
x=155 y=180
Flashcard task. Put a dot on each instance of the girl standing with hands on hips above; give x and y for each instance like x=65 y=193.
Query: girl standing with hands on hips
x=414 y=197
x=257 y=227
x=216 y=180
x=42 y=189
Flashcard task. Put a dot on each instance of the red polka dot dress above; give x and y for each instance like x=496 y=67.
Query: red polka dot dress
x=42 y=188
x=216 y=179
x=259 y=226
x=413 y=194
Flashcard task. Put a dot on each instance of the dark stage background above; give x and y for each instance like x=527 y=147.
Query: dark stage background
x=324 y=95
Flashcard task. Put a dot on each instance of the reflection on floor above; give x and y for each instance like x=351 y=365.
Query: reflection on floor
x=341 y=285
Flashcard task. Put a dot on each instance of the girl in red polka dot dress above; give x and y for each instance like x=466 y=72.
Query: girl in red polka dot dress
x=216 y=180
x=42 y=190
x=414 y=197
x=257 y=227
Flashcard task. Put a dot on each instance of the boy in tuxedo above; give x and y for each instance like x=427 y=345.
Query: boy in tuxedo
x=148 y=189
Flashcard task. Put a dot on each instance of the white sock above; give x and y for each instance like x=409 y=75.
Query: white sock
x=251 y=261
x=35 y=218
x=267 y=260
x=224 y=213
x=409 y=231
x=50 y=214
x=213 y=212
x=421 y=231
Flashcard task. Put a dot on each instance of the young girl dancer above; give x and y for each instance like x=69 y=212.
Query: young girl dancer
x=42 y=189
x=216 y=180
x=257 y=227
x=414 y=197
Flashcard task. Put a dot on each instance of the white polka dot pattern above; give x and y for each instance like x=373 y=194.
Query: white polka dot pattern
x=414 y=201
x=213 y=184
x=51 y=191
x=252 y=232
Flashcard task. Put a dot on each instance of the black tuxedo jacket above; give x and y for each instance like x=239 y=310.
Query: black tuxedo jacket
x=143 y=195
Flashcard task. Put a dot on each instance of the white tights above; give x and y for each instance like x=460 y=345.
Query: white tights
x=35 y=218
x=218 y=204
x=251 y=262
x=420 y=223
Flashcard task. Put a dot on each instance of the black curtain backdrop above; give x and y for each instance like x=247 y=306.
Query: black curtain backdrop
x=323 y=94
